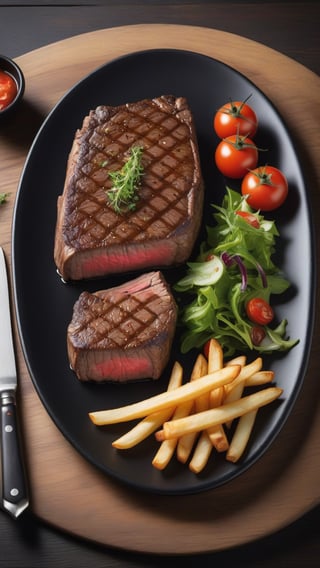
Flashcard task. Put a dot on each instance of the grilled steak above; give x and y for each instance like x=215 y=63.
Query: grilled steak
x=124 y=333
x=92 y=239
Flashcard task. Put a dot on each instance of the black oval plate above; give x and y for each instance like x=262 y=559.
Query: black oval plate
x=44 y=303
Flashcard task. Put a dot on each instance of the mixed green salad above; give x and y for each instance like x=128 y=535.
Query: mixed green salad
x=234 y=271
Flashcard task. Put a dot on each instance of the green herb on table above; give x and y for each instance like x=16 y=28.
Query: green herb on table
x=123 y=195
x=3 y=198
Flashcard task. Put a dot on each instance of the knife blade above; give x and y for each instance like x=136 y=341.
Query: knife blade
x=14 y=487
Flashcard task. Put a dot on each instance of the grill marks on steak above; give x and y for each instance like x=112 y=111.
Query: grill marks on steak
x=93 y=240
x=124 y=333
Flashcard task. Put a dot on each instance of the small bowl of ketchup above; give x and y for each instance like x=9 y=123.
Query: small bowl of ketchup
x=11 y=85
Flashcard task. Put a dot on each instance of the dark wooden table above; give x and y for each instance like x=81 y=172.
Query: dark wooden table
x=291 y=28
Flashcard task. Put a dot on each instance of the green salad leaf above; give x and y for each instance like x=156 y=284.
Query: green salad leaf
x=234 y=265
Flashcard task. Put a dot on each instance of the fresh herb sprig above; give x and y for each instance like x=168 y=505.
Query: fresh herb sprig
x=3 y=198
x=123 y=195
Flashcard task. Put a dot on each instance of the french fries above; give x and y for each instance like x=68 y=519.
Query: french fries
x=202 y=420
x=245 y=373
x=256 y=379
x=188 y=391
x=167 y=448
x=241 y=436
x=152 y=422
x=189 y=419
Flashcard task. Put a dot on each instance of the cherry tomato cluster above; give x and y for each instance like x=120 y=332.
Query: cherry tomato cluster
x=236 y=157
x=265 y=187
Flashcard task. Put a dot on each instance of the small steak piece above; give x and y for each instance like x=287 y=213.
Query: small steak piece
x=93 y=240
x=124 y=333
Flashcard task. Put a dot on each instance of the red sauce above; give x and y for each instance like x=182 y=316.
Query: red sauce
x=8 y=89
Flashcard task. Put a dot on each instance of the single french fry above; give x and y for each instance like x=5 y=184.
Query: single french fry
x=215 y=362
x=234 y=394
x=216 y=397
x=151 y=423
x=245 y=373
x=201 y=453
x=200 y=368
x=176 y=377
x=167 y=447
x=164 y=453
x=201 y=402
x=259 y=378
x=187 y=391
x=256 y=379
x=143 y=429
x=240 y=360
x=186 y=443
x=215 y=356
x=216 y=434
x=241 y=436
x=218 y=438
x=208 y=418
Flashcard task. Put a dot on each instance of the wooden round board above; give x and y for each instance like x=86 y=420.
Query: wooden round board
x=68 y=492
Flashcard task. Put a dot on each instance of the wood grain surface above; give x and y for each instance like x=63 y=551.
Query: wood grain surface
x=68 y=492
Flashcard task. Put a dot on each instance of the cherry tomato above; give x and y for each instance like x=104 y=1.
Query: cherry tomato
x=266 y=187
x=235 y=156
x=259 y=311
x=235 y=118
x=250 y=218
x=8 y=89
x=257 y=334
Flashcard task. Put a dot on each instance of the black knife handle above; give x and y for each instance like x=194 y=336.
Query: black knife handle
x=14 y=487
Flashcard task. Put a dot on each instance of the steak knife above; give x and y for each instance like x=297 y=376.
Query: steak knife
x=14 y=497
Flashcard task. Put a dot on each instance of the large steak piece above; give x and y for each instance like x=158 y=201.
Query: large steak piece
x=124 y=333
x=92 y=239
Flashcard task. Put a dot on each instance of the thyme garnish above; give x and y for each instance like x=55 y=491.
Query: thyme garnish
x=3 y=198
x=123 y=194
